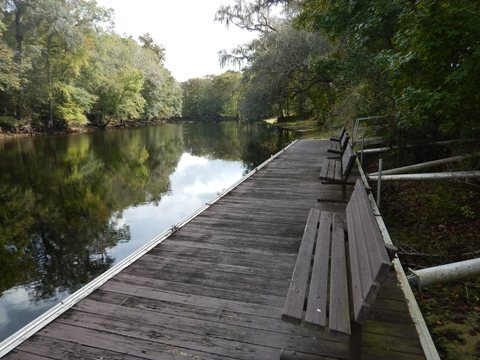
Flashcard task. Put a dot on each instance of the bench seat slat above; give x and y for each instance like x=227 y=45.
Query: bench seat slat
x=331 y=169
x=316 y=312
x=335 y=147
x=338 y=171
x=339 y=315
x=293 y=308
x=324 y=170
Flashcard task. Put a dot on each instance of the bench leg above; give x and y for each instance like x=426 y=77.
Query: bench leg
x=355 y=348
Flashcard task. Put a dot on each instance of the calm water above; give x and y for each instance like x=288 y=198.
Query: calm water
x=72 y=206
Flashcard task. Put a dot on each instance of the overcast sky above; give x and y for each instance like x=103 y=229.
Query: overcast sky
x=184 y=27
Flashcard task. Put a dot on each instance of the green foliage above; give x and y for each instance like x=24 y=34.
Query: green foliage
x=73 y=102
x=435 y=66
x=416 y=60
x=212 y=96
x=58 y=67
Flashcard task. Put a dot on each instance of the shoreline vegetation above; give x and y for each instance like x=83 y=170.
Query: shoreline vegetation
x=305 y=128
x=25 y=131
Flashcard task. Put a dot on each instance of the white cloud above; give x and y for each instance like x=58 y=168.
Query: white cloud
x=187 y=160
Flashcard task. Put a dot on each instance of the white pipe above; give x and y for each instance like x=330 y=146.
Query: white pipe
x=445 y=142
x=429 y=176
x=424 y=165
x=376 y=150
x=443 y=273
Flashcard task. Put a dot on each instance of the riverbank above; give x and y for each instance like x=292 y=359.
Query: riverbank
x=434 y=223
x=24 y=131
x=306 y=128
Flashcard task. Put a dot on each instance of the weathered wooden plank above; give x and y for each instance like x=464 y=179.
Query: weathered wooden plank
x=332 y=170
x=136 y=346
x=338 y=175
x=246 y=321
x=214 y=279
x=22 y=355
x=235 y=293
x=227 y=257
x=222 y=335
x=339 y=318
x=316 y=312
x=324 y=170
x=193 y=299
x=161 y=262
x=61 y=350
x=293 y=308
x=235 y=241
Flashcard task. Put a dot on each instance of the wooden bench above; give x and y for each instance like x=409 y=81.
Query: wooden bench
x=337 y=170
x=337 y=288
x=338 y=146
x=339 y=138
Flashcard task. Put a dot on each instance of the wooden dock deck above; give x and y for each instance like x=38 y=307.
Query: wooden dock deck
x=215 y=289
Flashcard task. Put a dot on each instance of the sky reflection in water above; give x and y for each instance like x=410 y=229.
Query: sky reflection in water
x=72 y=206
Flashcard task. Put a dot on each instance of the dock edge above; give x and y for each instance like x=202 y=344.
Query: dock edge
x=43 y=320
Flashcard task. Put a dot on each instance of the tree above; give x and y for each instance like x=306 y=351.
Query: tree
x=212 y=97
x=434 y=67
x=59 y=67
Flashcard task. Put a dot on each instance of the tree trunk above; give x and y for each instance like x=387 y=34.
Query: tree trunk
x=49 y=82
x=19 y=37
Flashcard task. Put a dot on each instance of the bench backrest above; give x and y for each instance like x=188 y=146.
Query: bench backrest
x=344 y=142
x=369 y=262
x=348 y=158
x=342 y=134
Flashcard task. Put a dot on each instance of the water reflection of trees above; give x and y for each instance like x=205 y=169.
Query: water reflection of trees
x=252 y=143
x=61 y=198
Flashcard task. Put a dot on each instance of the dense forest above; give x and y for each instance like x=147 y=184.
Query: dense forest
x=60 y=65
x=416 y=62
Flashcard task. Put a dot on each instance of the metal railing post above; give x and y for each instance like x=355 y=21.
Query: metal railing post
x=379 y=181
x=361 y=149
x=353 y=132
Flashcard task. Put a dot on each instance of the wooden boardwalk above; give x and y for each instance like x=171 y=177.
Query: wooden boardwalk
x=215 y=289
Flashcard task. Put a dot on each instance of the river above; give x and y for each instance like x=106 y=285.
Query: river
x=72 y=206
